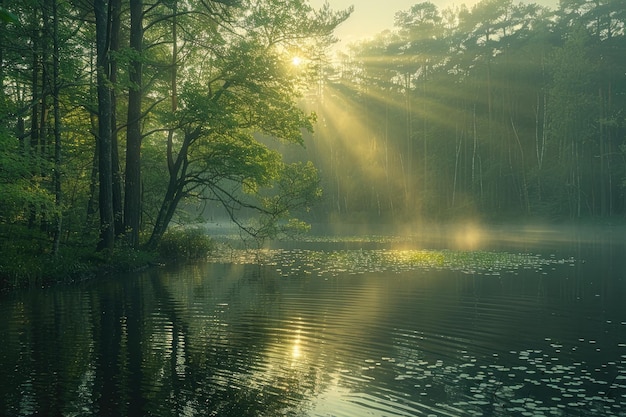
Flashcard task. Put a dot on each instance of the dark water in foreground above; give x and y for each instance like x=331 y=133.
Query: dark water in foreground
x=330 y=329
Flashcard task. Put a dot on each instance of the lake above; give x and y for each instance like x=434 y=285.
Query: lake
x=482 y=324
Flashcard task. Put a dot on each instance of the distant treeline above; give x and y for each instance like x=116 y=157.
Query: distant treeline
x=495 y=111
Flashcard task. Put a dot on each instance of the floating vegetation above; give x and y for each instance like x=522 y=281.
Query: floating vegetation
x=530 y=382
x=301 y=261
x=359 y=239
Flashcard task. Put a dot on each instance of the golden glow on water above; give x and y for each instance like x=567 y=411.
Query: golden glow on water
x=469 y=237
x=296 y=351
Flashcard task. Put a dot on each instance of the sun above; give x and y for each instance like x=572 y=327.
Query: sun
x=296 y=61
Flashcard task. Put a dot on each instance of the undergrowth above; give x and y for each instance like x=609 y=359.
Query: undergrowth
x=27 y=261
x=185 y=244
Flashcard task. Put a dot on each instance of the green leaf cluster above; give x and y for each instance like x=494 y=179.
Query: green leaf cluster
x=185 y=244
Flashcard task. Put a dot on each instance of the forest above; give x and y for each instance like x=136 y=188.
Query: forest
x=121 y=119
x=498 y=112
x=115 y=114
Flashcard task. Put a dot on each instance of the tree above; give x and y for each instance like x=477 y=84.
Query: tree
x=56 y=92
x=241 y=85
x=132 y=191
x=574 y=113
x=105 y=166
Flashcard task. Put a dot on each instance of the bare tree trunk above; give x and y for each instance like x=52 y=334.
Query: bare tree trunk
x=409 y=148
x=474 y=153
x=115 y=10
x=459 y=144
x=107 y=232
x=171 y=198
x=132 y=195
x=175 y=189
x=525 y=198
x=603 y=158
x=540 y=142
x=92 y=206
x=609 y=152
x=57 y=129
x=32 y=148
x=389 y=193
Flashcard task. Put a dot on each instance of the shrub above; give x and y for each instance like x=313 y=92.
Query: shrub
x=21 y=268
x=126 y=259
x=185 y=244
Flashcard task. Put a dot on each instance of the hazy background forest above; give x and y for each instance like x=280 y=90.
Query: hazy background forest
x=501 y=111
x=119 y=118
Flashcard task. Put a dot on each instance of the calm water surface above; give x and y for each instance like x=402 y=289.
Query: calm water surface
x=349 y=328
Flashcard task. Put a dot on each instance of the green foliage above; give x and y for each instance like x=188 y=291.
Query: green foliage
x=294 y=191
x=26 y=259
x=239 y=158
x=185 y=244
x=297 y=189
x=8 y=17
x=21 y=191
x=123 y=258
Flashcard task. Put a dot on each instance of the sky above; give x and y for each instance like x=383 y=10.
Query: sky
x=369 y=17
x=373 y=16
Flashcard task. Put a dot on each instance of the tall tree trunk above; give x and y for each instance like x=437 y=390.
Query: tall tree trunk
x=540 y=141
x=57 y=128
x=609 y=151
x=458 y=144
x=474 y=152
x=170 y=201
x=524 y=192
x=92 y=205
x=172 y=197
x=132 y=195
x=603 y=157
x=40 y=88
x=107 y=232
x=173 y=194
x=409 y=191
x=32 y=148
x=115 y=11
x=45 y=82
x=2 y=46
x=175 y=189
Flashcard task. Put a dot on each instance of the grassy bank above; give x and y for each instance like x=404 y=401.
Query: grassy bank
x=27 y=261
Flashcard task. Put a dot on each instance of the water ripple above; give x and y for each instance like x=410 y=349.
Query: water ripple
x=319 y=333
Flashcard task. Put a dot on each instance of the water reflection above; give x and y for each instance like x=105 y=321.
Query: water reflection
x=386 y=333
